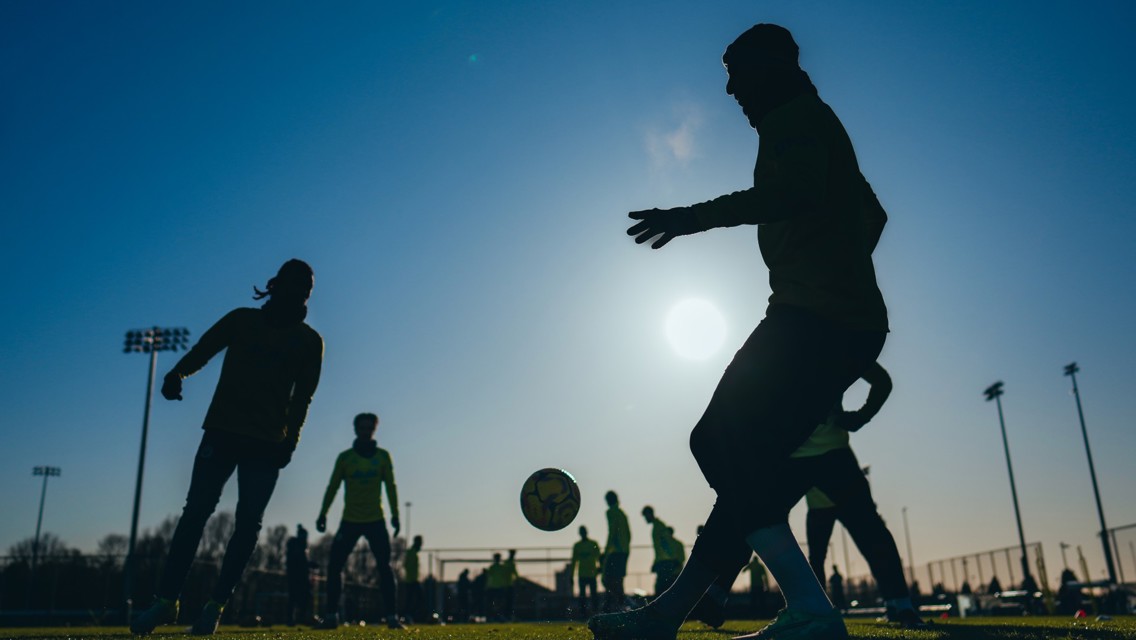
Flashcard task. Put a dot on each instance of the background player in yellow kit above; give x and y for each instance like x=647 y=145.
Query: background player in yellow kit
x=365 y=469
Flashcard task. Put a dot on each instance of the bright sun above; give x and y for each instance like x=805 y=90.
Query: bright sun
x=695 y=329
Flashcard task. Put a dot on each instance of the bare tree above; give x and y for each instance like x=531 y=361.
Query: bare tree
x=49 y=546
x=273 y=548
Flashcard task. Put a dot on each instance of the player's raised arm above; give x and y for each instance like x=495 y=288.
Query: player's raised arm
x=211 y=343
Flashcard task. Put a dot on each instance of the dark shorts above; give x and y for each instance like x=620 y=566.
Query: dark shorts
x=615 y=565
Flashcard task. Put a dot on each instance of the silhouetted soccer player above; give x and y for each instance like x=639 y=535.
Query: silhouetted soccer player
x=839 y=490
x=616 y=551
x=585 y=563
x=664 y=567
x=818 y=222
x=410 y=583
x=269 y=374
x=298 y=569
x=365 y=469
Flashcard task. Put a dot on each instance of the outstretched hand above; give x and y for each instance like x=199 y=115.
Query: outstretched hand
x=396 y=525
x=667 y=224
x=171 y=386
x=321 y=524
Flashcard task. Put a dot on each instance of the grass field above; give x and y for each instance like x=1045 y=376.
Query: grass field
x=1041 y=628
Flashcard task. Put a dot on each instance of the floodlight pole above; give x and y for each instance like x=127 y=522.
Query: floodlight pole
x=407 y=534
x=150 y=341
x=46 y=472
x=994 y=392
x=1071 y=370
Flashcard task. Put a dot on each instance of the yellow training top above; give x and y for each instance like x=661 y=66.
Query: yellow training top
x=586 y=556
x=364 y=477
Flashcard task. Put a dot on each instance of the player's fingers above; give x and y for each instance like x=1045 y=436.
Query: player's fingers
x=662 y=241
x=645 y=236
x=641 y=215
x=638 y=228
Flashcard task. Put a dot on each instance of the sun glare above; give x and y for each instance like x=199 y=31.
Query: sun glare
x=695 y=329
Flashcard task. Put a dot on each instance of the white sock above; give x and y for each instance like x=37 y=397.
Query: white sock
x=901 y=604
x=676 y=602
x=779 y=550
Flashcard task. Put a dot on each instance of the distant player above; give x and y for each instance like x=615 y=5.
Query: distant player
x=365 y=469
x=511 y=575
x=615 y=554
x=411 y=586
x=665 y=567
x=818 y=222
x=269 y=374
x=299 y=569
x=585 y=563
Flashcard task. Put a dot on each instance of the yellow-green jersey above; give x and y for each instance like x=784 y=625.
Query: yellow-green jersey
x=586 y=556
x=410 y=566
x=618 y=532
x=364 y=477
x=826 y=437
x=816 y=499
x=268 y=376
x=511 y=574
x=497 y=576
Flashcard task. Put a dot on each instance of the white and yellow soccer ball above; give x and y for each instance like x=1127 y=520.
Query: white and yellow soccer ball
x=550 y=499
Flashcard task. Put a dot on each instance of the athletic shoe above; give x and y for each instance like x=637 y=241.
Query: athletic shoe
x=209 y=619
x=637 y=624
x=161 y=612
x=907 y=619
x=708 y=612
x=394 y=623
x=799 y=625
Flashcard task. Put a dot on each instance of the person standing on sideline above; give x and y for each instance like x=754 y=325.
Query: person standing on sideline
x=818 y=223
x=299 y=572
x=586 y=564
x=511 y=575
x=364 y=469
x=496 y=586
x=615 y=555
x=269 y=375
x=664 y=565
x=410 y=584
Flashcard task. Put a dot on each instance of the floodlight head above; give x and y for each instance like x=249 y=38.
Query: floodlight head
x=993 y=391
x=1071 y=368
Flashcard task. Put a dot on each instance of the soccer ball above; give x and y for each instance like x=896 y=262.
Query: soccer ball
x=550 y=499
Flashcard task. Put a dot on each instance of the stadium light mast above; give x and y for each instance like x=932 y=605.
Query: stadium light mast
x=149 y=341
x=46 y=472
x=994 y=392
x=1071 y=370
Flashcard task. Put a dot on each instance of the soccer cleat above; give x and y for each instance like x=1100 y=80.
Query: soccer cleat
x=791 y=624
x=394 y=623
x=329 y=621
x=907 y=619
x=210 y=618
x=161 y=612
x=638 y=624
x=708 y=612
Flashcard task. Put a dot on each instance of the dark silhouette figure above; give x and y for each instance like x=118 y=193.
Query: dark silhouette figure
x=464 y=592
x=298 y=568
x=410 y=583
x=818 y=223
x=364 y=470
x=836 y=589
x=269 y=374
x=586 y=563
x=480 y=590
x=616 y=552
x=666 y=565
x=510 y=573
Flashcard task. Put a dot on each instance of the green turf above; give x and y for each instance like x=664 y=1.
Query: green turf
x=1040 y=628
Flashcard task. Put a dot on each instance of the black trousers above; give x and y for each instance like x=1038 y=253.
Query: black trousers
x=838 y=474
x=218 y=456
x=341 y=547
x=780 y=385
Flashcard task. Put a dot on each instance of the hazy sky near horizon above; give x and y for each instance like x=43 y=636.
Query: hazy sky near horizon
x=458 y=174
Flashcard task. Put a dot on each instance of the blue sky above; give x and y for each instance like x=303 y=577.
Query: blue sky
x=458 y=175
